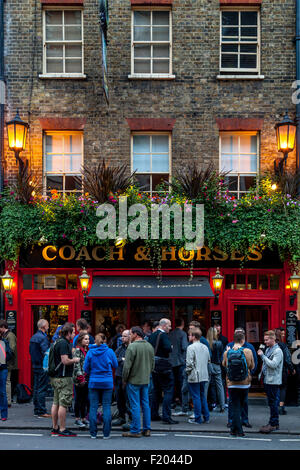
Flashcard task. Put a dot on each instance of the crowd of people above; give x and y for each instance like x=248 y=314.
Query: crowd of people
x=140 y=369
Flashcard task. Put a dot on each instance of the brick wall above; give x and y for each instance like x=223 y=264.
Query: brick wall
x=195 y=98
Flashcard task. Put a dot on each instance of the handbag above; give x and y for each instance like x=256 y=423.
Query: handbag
x=162 y=364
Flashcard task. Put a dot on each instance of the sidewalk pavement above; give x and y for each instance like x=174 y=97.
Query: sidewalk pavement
x=20 y=417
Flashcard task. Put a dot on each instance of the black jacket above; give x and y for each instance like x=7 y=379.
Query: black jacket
x=217 y=352
x=38 y=345
x=287 y=360
x=120 y=353
x=164 y=345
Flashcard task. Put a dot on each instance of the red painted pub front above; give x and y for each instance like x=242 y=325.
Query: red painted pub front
x=254 y=295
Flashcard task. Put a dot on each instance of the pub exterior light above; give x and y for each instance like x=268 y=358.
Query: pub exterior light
x=84 y=279
x=294 y=285
x=217 y=280
x=7 y=282
x=17 y=134
x=285 y=135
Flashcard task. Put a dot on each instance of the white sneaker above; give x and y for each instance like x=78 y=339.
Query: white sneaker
x=106 y=437
x=192 y=416
x=79 y=423
x=180 y=413
x=93 y=437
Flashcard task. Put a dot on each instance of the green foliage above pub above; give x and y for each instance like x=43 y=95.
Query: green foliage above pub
x=263 y=218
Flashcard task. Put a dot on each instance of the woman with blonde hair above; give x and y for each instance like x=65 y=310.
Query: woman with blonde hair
x=216 y=384
x=98 y=365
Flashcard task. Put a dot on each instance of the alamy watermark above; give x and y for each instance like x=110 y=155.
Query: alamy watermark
x=296 y=94
x=133 y=222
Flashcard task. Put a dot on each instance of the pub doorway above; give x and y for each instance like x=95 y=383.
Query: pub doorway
x=255 y=320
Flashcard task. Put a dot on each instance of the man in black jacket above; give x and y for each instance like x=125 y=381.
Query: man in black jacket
x=162 y=376
x=121 y=394
x=38 y=345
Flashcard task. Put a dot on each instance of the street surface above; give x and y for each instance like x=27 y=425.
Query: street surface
x=42 y=440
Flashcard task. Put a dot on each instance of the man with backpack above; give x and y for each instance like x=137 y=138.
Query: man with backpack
x=5 y=356
x=38 y=346
x=245 y=419
x=60 y=369
x=238 y=362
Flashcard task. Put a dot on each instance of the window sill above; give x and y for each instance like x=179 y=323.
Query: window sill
x=76 y=76
x=240 y=77
x=141 y=76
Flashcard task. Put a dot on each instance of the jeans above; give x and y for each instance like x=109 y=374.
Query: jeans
x=237 y=398
x=273 y=395
x=244 y=411
x=150 y=391
x=138 y=396
x=162 y=383
x=81 y=406
x=3 y=397
x=199 y=400
x=178 y=380
x=122 y=398
x=185 y=393
x=217 y=389
x=40 y=385
x=95 y=396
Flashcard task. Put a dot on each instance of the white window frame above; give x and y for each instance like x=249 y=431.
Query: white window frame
x=239 y=70
x=62 y=42
x=62 y=173
x=240 y=192
x=150 y=173
x=168 y=75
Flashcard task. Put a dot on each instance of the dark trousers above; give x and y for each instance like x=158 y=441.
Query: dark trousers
x=40 y=385
x=162 y=383
x=237 y=397
x=273 y=395
x=178 y=381
x=244 y=412
x=81 y=407
x=122 y=398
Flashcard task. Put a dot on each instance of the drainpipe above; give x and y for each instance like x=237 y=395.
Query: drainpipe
x=2 y=102
x=298 y=104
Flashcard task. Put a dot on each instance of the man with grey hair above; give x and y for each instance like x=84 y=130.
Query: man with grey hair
x=38 y=346
x=121 y=395
x=163 y=380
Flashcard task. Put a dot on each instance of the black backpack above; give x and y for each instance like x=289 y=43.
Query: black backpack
x=237 y=368
x=24 y=393
x=52 y=368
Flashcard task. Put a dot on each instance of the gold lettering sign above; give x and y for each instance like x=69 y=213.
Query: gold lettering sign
x=95 y=253
x=223 y=257
x=116 y=251
x=204 y=256
x=62 y=253
x=83 y=254
x=165 y=253
x=45 y=252
x=98 y=253
x=186 y=255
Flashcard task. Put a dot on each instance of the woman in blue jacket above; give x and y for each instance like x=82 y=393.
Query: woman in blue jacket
x=98 y=365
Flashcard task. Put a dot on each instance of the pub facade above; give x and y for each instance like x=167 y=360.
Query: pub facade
x=122 y=288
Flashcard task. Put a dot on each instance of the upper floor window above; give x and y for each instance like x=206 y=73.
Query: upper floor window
x=151 y=158
x=63 y=42
x=63 y=159
x=240 y=41
x=239 y=155
x=151 y=43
